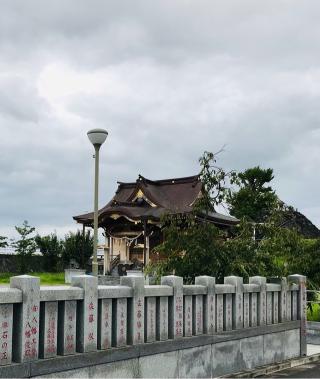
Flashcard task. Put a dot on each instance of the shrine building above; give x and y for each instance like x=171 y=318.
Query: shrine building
x=132 y=219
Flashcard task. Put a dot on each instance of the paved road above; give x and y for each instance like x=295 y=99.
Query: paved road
x=309 y=370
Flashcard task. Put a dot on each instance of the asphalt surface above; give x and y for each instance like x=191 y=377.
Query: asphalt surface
x=308 y=370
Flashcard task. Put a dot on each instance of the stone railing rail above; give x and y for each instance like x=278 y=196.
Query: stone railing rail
x=44 y=322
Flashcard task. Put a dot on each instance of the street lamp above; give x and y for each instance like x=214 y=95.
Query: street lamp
x=97 y=138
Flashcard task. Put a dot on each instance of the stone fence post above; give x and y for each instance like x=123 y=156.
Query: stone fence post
x=119 y=322
x=104 y=324
x=283 y=300
x=67 y=327
x=175 y=314
x=262 y=297
x=283 y=297
x=87 y=313
x=301 y=280
x=135 y=309
x=237 y=314
x=6 y=322
x=150 y=319
x=48 y=331
x=209 y=311
x=26 y=319
x=188 y=315
x=162 y=318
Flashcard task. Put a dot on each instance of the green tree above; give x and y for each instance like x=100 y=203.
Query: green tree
x=202 y=249
x=255 y=198
x=51 y=248
x=3 y=241
x=77 y=248
x=307 y=262
x=25 y=246
x=192 y=247
x=216 y=183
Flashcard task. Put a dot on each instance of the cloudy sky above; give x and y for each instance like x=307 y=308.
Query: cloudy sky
x=168 y=79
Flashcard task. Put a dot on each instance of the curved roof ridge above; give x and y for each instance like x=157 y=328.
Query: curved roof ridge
x=141 y=178
x=184 y=179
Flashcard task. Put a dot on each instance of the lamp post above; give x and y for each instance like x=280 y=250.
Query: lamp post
x=97 y=138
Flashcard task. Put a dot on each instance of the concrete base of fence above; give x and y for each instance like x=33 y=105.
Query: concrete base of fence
x=108 y=280
x=203 y=356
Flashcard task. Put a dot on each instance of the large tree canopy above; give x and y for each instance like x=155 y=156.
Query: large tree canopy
x=255 y=198
x=192 y=248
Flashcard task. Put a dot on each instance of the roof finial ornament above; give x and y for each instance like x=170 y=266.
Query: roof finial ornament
x=143 y=180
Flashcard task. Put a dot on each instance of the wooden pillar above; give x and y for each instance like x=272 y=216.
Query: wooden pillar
x=106 y=261
x=144 y=242
x=83 y=243
x=110 y=255
x=147 y=250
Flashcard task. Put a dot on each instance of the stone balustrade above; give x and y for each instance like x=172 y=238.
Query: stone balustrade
x=44 y=322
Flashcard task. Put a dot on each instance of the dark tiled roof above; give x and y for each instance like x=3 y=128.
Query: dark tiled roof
x=174 y=196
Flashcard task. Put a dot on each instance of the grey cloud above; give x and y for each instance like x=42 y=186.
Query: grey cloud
x=174 y=78
x=19 y=99
x=169 y=31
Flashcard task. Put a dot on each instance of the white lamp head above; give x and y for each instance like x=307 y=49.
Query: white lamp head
x=97 y=136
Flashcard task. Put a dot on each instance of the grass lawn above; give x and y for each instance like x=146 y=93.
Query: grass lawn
x=314 y=315
x=46 y=278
